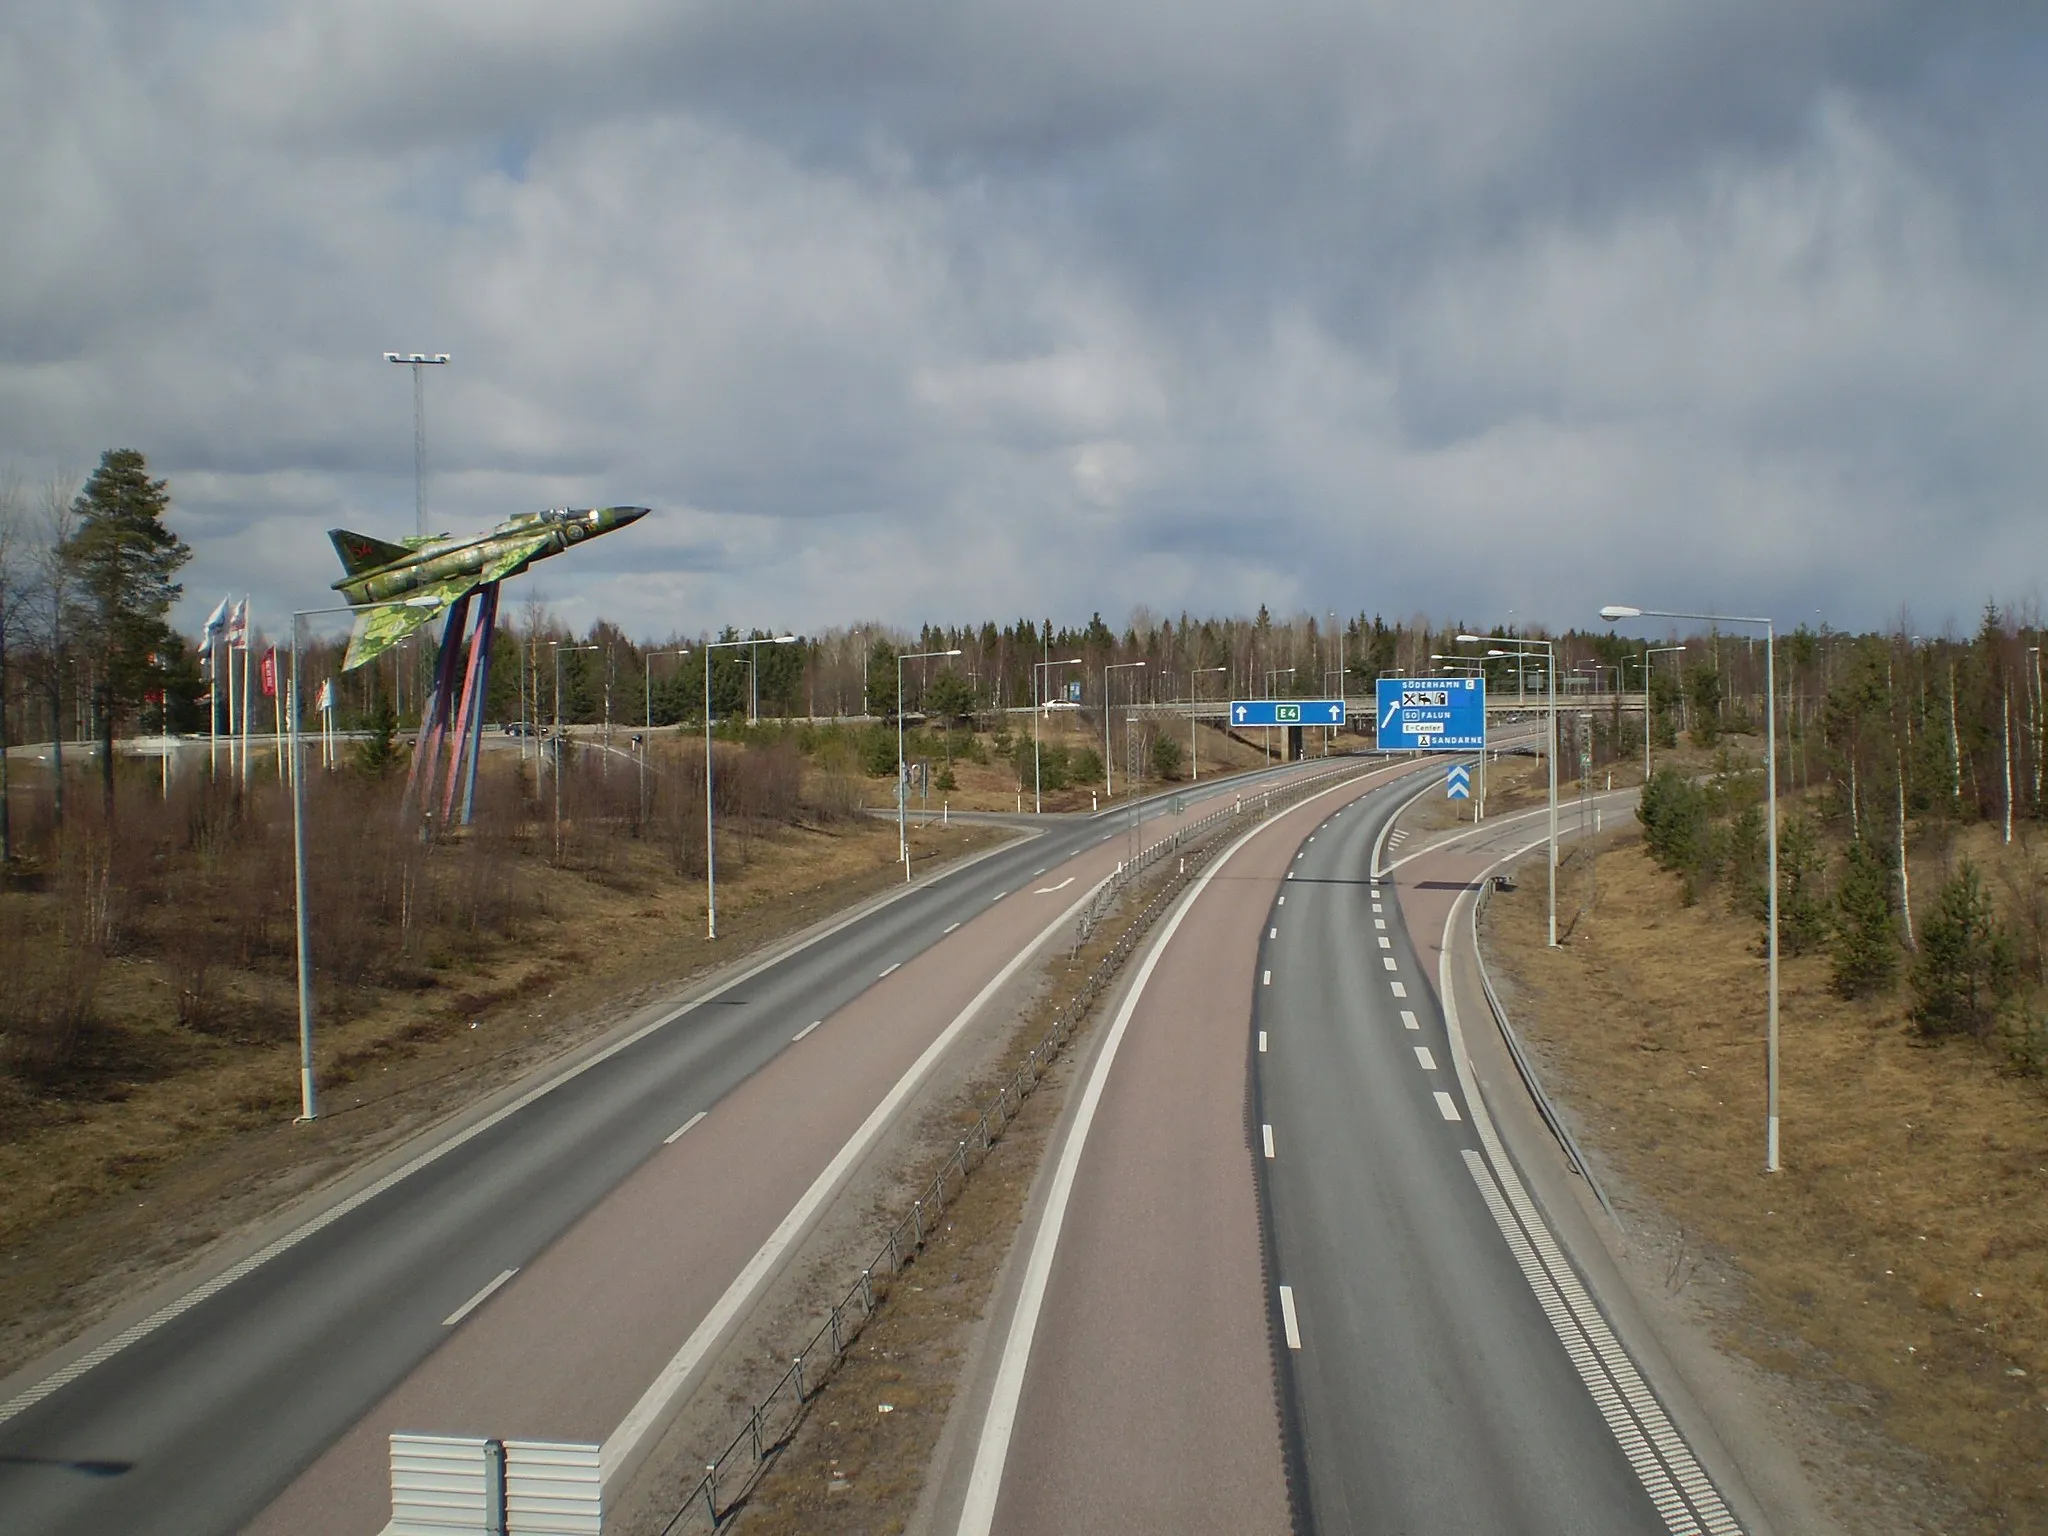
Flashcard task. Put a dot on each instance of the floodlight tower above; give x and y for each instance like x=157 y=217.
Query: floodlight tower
x=416 y=361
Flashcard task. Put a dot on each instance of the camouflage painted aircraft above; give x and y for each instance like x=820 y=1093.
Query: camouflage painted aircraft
x=444 y=568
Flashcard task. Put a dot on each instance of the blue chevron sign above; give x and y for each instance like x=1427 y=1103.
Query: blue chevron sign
x=1431 y=714
x=1458 y=782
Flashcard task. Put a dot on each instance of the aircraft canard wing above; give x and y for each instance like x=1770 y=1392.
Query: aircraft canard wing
x=379 y=629
x=513 y=558
x=359 y=552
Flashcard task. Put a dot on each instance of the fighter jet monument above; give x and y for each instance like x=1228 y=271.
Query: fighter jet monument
x=401 y=587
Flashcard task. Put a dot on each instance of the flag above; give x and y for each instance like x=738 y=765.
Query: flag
x=268 y=671
x=238 y=623
x=216 y=621
x=326 y=698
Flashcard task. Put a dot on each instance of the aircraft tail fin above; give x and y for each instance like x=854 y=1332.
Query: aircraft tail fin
x=359 y=552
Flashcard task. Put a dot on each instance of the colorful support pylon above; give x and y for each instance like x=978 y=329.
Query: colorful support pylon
x=466 y=736
x=434 y=719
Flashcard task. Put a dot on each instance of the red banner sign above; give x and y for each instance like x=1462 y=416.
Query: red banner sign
x=269 y=673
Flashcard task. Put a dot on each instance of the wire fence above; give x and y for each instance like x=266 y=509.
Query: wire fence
x=773 y=1421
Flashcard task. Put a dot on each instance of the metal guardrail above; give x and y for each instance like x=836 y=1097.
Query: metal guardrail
x=774 y=1420
x=1527 y=1069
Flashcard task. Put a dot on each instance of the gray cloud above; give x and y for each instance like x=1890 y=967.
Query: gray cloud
x=950 y=309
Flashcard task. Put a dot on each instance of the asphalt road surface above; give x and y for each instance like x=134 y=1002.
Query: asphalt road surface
x=1276 y=1157
x=196 y=1421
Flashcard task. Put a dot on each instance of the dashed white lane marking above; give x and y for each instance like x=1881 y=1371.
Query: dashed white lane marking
x=895 y=966
x=1399 y=990
x=1385 y=942
x=1047 y=890
x=1311 y=837
x=1266 y=980
x=1409 y=1021
x=1262 y=1042
x=805 y=1031
x=1290 y=874
x=1288 y=1322
x=677 y=1134
x=1427 y=1061
x=1447 y=1106
x=1272 y=933
x=477 y=1300
x=999 y=895
x=1388 y=962
x=1266 y=1132
x=1283 y=901
x=1379 y=922
x=949 y=928
x=1037 y=872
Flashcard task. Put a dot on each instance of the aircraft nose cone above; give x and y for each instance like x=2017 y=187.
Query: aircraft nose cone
x=620 y=516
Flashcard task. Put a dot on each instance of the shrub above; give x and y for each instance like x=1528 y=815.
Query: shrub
x=1084 y=765
x=1166 y=757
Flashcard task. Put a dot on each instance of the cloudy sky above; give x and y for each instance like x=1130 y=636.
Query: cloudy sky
x=942 y=309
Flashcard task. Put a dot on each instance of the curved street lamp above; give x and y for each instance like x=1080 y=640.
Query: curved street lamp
x=902 y=774
x=710 y=842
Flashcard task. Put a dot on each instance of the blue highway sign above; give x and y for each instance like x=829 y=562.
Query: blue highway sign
x=1431 y=714
x=1287 y=712
x=1458 y=782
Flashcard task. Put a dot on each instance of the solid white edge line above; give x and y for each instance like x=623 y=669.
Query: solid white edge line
x=1672 y=1459
x=678 y=1133
x=622 y=1447
x=1447 y=1106
x=1289 y=1323
x=805 y=1031
x=1266 y=1134
x=992 y=1448
x=479 y=1298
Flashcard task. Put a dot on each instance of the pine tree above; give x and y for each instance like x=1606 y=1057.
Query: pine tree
x=122 y=559
x=377 y=754
x=1866 y=958
x=1967 y=970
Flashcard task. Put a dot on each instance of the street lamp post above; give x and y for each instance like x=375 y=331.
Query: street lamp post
x=308 y=1105
x=1038 y=715
x=1549 y=650
x=902 y=767
x=1615 y=611
x=1648 y=652
x=710 y=841
x=1108 y=757
x=1194 y=757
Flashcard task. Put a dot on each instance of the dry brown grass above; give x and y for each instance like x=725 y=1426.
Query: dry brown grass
x=1898 y=1266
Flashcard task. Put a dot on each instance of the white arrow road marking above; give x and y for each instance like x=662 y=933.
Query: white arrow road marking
x=1047 y=890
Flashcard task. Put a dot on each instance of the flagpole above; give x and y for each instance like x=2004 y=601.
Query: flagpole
x=233 y=768
x=277 y=702
x=248 y=708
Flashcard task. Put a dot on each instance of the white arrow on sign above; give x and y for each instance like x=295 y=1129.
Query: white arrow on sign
x=1241 y=713
x=1393 y=709
x=1458 y=782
